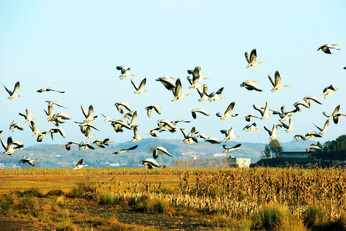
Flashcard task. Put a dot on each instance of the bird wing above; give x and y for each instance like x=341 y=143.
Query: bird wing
x=271 y=80
x=16 y=87
x=336 y=110
x=8 y=91
x=134 y=85
x=277 y=78
x=79 y=162
x=253 y=56
x=142 y=84
x=247 y=57
x=230 y=108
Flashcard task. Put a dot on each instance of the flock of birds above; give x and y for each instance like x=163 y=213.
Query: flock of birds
x=128 y=121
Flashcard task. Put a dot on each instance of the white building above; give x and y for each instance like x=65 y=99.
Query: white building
x=240 y=162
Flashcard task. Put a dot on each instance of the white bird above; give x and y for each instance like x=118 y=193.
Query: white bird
x=87 y=132
x=9 y=148
x=326 y=48
x=178 y=91
x=272 y=132
x=216 y=95
x=125 y=150
x=168 y=82
x=125 y=72
x=191 y=137
x=59 y=130
x=250 y=85
x=14 y=125
x=227 y=114
x=204 y=94
x=120 y=105
x=230 y=134
x=277 y=82
x=27 y=116
x=196 y=77
x=68 y=144
x=229 y=149
x=324 y=129
x=313 y=147
x=251 y=127
x=88 y=116
x=136 y=136
x=13 y=94
x=150 y=163
x=162 y=150
x=85 y=145
x=199 y=110
x=54 y=102
x=311 y=135
x=313 y=98
x=140 y=88
x=329 y=90
x=265 y=113
x=102 y=142
x=151 y=107
x=252 y=60
x=80 y=165
x=288 y=127
x=210 y=139
x=49 y=89
x=335 y=115
x=249 y=116
x=28 y=161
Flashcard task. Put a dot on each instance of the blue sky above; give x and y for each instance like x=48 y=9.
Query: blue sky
x=76 y=45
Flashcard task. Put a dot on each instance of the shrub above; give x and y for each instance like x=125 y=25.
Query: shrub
x=314 y=216
x=272 y=217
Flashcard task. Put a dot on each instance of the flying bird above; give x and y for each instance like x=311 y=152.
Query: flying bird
x=229 y=134
x=326 y=48
x=13 y=94
x=80 y=165
x=125 y=72
x=178 y=91
x=27 y=116
x=140 y=88
x=157 y=108
x=272 y=132
x=329 y=90
x=125 y=150
x=150 y=163
x=252 y=59
x=227 y=114
x=168 y=82
x=229 y=149
x=49 y=89
x=250 y=85
x=199 y=110
x=276 y=82
x=14 y=125
x=27 y=161
x=120 y=105
x=9 y=148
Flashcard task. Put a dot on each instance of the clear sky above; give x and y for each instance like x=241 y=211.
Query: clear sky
x=75 y=46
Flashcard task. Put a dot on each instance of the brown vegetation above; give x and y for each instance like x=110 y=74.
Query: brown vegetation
x=233 y=199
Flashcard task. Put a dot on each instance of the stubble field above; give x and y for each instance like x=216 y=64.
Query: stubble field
x=173 y=199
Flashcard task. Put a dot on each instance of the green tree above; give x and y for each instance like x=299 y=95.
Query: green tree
x=267 y=152
x=275 y=147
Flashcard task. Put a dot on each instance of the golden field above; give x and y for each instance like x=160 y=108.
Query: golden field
x=174 y=198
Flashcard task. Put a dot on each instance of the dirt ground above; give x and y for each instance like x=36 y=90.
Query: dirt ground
x=155 y=221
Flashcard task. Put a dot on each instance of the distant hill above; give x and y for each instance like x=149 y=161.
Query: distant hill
x=56 y=156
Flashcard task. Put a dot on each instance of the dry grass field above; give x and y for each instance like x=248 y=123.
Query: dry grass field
x=173 y=199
